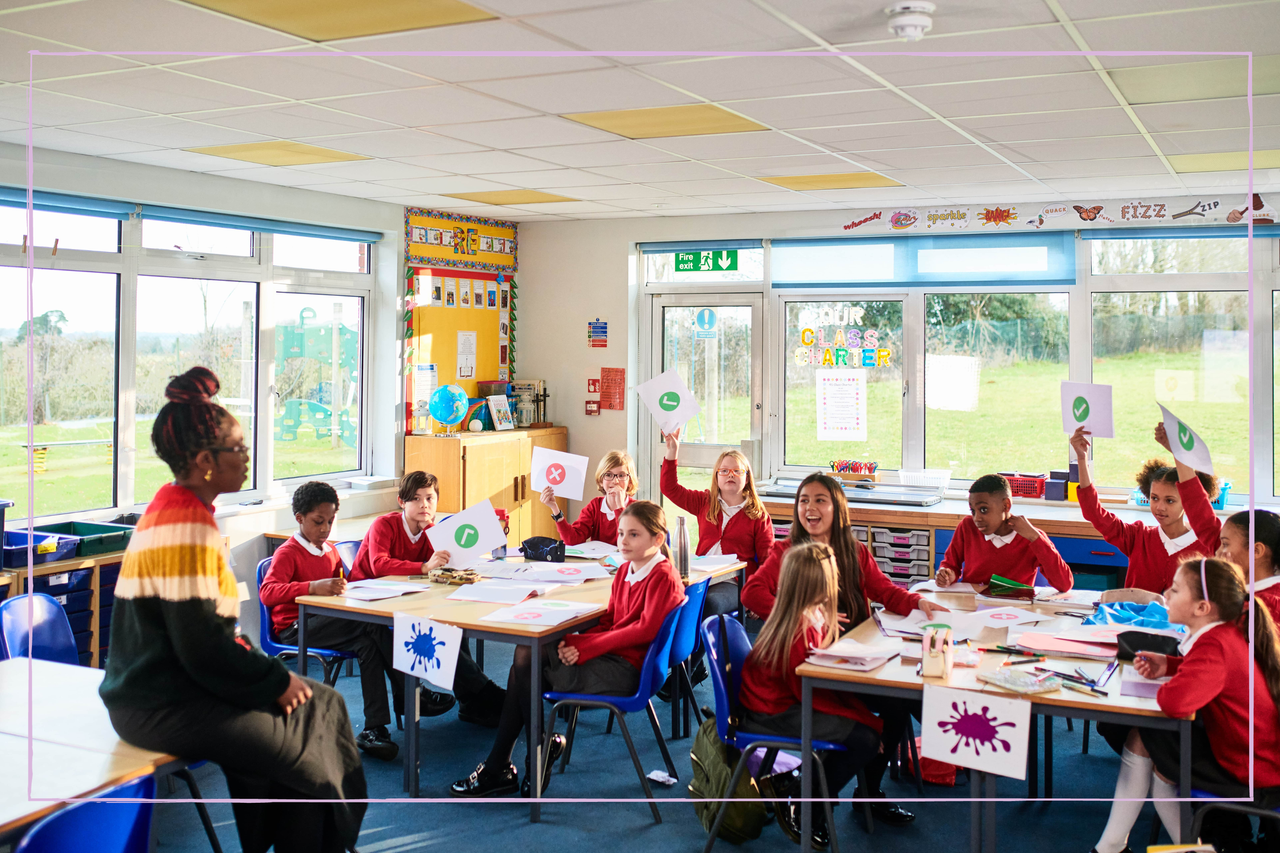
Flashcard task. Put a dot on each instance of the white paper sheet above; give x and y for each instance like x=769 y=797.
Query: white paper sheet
x=498 y=592
x=389 y=585
x=566 y=572
x=979 y=730
x=1089 y=406
x=1187 y=446
x=669 y=400
x=1003 y=617
x=370 y=594
x=425 y=648
x=954 y=589
x=551 y=612
x=565 y=473
x=591 y=550
x=841 y=404
x=469 y=536
x=716 y=562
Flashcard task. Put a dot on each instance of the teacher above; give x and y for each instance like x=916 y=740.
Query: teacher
x=179 y=679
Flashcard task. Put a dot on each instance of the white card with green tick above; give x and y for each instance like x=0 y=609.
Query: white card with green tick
x=1187 y=446
x=468 y=536
x=1088 y=406
x=669 y=399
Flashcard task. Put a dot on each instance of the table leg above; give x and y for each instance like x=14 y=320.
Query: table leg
x=1033 y=759
x=302 y=639
x=989 y=822
x=975 y=811
x=1048 y=757
x=411 y=734
x=535 y=729
x=806 y=765
x=1184 y=777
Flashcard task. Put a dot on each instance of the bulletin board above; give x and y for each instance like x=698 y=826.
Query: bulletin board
x=450 y=240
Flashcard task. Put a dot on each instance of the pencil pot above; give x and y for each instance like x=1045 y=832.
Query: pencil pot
x=938 y=652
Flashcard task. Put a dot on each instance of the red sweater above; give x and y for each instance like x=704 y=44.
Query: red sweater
x=768 y=691
x=749 y=539
x=592 y=524
x=635 y=614
x=292 y=570
x=1016 y=561
x=1212 y=681
x=1151 y=567
x=762 y=589
x=1271 y=598
x=387 y=550
x=1200 y=515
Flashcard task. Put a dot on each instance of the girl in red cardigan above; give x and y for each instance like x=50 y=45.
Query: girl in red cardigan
x=804 y=616
x=1210 y=679
x=604 y=660
x=1266 y=553
x=821 y=515
x=1154 y=552
x=616 y=480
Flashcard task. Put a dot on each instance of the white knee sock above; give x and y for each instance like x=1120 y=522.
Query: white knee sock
x=1131 y=786
x=1170 y=813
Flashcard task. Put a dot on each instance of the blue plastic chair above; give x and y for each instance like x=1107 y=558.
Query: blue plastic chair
x=1216 y=802
x=329 y=659
x=50 y=639
x=653 y=673
x=683 y=645
x=726 y=680
x=101 y=827
x=347 y=553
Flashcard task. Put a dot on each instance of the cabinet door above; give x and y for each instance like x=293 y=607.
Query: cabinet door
x=540 y=523
x=444 y=458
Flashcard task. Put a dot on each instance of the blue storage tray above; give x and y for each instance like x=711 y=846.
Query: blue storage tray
x=107 y=596
x=107 y=575
x=49 y=547
x=104 y=617
x=81 y=621
x=74 y=602
x=63 y=582
x=86 y=658
x=83 y=640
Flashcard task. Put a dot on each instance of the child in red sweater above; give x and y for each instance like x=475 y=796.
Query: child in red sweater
x=993 y=541
x=308 y=565
x=604 y=660
x=1210 y=679
x=397 y=544
x=1154 y=552
x=598 y=521
x=804 y=616
x=1266 y=553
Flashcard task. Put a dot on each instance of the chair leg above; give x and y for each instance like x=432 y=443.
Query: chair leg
x=608 y=727
x=1084 y=747
x=724 y=806
x=662 y=742
x=351 y=667
x=399 y=720
x=826 y=795
x=690 y=701
x=866 y=807
x=573 y=730
x=635 y=759
x=185 y=776
x=1070 y=727
x=910 y=736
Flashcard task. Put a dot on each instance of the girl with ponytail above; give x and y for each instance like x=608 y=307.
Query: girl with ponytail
x=1210 y=678
x=1266 y=553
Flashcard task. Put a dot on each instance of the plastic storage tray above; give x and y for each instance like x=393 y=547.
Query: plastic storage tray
x=859 y=532
x=889 y=552
x=94 y=538
x=904 y=538
x=63 y=582
x=914 y=569
x=80 y=621
x=49 y=547
x=106 y=595
x=108 y=574
x=1026 y=485
x=129 y=518
x=74 y=602
x=83 y=640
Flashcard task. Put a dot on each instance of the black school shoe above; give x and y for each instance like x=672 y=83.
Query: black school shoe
x=698 y=676
x=485 y=709
x=890 y=814
x=553 y=755
x=788 y=815
x=377 y=742
x=433 y=704
x=487 y=783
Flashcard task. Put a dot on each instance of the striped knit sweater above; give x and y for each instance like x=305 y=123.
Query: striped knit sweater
x=173 y=637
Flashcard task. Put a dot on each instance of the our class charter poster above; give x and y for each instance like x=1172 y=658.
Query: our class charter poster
x=842 y=405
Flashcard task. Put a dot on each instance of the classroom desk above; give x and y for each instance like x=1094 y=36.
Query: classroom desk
x=434 y=603
x=77 y=752
x=897 y=678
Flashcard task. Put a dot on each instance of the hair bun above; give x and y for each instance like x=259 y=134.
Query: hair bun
x=193 y=388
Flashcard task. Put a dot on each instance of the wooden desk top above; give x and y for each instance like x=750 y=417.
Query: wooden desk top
x=434 y=603
x=344 y=529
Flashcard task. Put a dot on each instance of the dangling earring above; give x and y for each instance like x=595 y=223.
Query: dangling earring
x=208 y=475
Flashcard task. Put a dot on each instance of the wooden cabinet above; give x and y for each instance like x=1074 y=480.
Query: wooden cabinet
x=493 y=466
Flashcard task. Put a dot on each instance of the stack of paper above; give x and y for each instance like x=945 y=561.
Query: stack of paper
x=1074 y=599
x=1133 y=684
x=547 y=612
x=499 y=591
x=1048 y=644
x=852 y=655
x=592 y=550
x=570 y=573
x=954 y=589
x=912 y=625
x=378 y=589
x=711 y=563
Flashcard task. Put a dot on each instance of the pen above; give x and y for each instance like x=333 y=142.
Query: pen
x=1084 y=675
x=1082 y=688
x=1081 y=681
x=1042 y=676
x=1010 y=650
x=1022 y=662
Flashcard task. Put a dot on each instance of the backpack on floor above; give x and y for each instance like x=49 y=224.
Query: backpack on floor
x=934 y=772
x=713 y=765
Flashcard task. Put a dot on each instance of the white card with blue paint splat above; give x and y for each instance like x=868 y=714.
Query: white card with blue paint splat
x=977 y=730
x=426 y=649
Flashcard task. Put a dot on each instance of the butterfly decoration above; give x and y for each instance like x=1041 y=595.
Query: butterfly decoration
x=1088 y=214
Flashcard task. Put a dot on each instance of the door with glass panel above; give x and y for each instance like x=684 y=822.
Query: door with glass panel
x=713 y=342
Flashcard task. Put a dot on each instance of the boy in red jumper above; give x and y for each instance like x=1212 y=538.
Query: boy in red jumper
x=397 y=544
x=993 y=541
x=308 y=565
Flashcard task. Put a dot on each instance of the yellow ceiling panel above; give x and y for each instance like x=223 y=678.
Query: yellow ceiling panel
x=327 y=20
x=1225 y=161
x=659 y=122
x=1197 y=81
x=278 y=153
x=842 y=181
x=508 y=197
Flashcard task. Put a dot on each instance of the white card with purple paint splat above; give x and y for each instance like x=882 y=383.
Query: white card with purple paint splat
x=976 y=730
x=426 y=649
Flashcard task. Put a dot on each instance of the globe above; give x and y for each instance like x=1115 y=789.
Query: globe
x=448 y=404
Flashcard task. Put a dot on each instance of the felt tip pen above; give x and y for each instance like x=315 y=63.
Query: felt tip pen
x=1010 y=650
x=1022 y=662
x=1081 y=681
x=1082 y=688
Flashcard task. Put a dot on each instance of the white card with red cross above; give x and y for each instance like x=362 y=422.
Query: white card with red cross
x=565 y=473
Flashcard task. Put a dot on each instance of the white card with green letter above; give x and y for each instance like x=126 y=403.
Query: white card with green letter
x=669 y=399
x=468 y=536
x=1188 y=447
x=1088 y=406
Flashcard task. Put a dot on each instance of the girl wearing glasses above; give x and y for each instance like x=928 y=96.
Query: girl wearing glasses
x=616 y=480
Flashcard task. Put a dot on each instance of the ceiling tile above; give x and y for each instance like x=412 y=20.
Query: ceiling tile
x=954 y=174
x=50 y=109
x=452 y=184
x=723 y=186
x=554 y=179
x=431 y=202
x=58 y=139
x=395 y=143
x=667 y=122
x=1077 y=149
x=1209 y=115
x=1209 y=141
x=786 y=199
x=16 y=66
x=354 y=189
x=811 y=110
x=915 y=70
x=722 y=146
x=1195 y=81
x=170 y=133
x=836 y=181
x=623 y=152
x=583 y=91
x=682 y=171
x=157 y=90
x=1229 y=182
x=1127 y=166
x=284 y=177
x=1021 y=127
x=305 y=77
x=610 y=191
x=723 y=79
x=427 y=106
x=368 y=170
x=1224 y=161
x=292 y=121
x=186 y=161
x=766 y=167
x=1113 y=186
x=921 y=158
x=618 y=214
x=703 y=211
x=1001 y=97
x=992 y=193
x=661 y=202
x=874 y=195
x=278 y=152
x=567 y=207
x=326 y=20
x=525 y=132
x=905 y=134
x=848 y=23
x=1241 y=28
x=1083 y=10
x=489 y=162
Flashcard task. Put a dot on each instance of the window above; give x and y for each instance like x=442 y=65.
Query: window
x=1132 y=257
x=182 y=323
x=317 y=253
x=706 y=266
x=844 y=383
x=72 y=231
x=984 y=260
x=690 y=478
x=716 y=365
x=196 y=239
x=1187 y=350
x=848 y=260
x=317 y=417
x=74 y=337
x=993 y=364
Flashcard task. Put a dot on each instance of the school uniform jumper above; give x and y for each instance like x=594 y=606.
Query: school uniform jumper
x=1010 y=556
x=596 y=522
x=180 y=681
x=294 y=565
x=1200 y=515
x=1268 y=593
x=1153 y=556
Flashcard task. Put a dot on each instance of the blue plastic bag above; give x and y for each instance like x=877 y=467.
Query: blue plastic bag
x=1153 y=615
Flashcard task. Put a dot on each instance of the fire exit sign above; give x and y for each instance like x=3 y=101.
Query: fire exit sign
x=726 y=259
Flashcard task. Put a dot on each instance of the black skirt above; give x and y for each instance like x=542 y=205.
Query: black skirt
x=606 y=675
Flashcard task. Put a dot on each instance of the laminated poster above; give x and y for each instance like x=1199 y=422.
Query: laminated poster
x=466 y=355
x=450 y=293
x=842 y=405
x=464 y=292
x=613 y=387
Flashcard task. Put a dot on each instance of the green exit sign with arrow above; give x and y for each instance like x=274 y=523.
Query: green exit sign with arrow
x=726 y=259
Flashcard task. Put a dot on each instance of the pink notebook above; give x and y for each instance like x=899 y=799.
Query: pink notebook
x=1047 y=644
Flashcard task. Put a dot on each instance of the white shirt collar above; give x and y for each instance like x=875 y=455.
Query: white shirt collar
x=405 y=521
x=727 y=512
x=608 y=513
x=1173 y=546
x=635 y=575
x=1001 y=541
x=1185 y=645
x=312 y=549
x=1258 y=586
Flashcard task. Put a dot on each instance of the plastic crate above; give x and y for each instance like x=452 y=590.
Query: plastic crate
x=914 y=569
x=129 y=519
x=1026 y=485
x=859 y=532
x=104 y=632
x=106 y=595
x=83 y=639
x=86 y=658
x=906 y=538
x=63 y=582
x=889 y=552
x=95 y=538
x=74 y=602
x=938 y=478
x=1055 y=490
x=107 y=575
x=81 y=621
x=49 y=548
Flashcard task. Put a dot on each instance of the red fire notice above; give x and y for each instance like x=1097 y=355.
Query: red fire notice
x=613 y=387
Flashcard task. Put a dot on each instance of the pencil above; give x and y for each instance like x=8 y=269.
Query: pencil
x=1022 y=662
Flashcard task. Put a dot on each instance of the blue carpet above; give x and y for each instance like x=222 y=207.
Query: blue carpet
x=600 y=768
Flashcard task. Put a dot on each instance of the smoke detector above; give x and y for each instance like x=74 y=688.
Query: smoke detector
x=910 y=19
